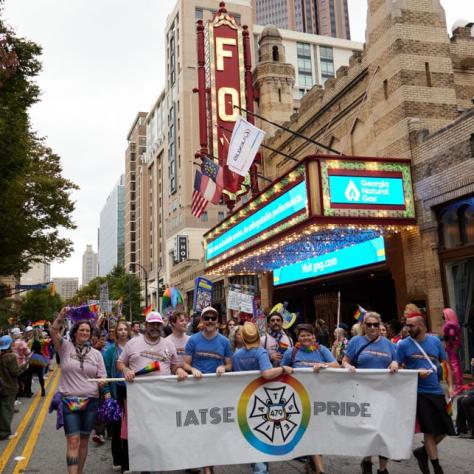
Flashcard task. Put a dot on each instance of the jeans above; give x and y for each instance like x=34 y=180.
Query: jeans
x=260 y=468
x=7 y=403
x=81 y=421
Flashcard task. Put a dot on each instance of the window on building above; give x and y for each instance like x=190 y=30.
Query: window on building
x=198 y=13
x=326 y=63
x=305 y=69
x=220 y=216
x=172 y=150
x=172 y=58
x=456 y=224
x=204 y=217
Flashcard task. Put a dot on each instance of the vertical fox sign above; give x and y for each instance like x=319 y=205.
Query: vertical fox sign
x=225 y=87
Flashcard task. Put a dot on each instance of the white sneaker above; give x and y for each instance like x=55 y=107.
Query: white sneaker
x=116 y=468
x=14 y=435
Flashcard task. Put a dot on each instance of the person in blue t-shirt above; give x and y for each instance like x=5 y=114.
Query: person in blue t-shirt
x=208 y=352
x=371 y=351
x=308 y=353
x=424 y=352
x=254 y=357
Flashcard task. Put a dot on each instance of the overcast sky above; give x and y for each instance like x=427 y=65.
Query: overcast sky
x=103 y=61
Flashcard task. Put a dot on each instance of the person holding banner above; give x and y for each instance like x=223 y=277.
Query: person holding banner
x=254 y=357
x=308 y=353
x=179 y=322
x=208 y=352
x=79 y=396
x=421 y=351
x=276 y=341
x=371 y=351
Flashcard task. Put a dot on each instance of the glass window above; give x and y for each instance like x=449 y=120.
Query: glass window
x=204 y=217
x=303 y=49
x=220 y=216
x=305 y=80
x=304 y=64
x=327 y=68
x=325 y=52
x=198 y=13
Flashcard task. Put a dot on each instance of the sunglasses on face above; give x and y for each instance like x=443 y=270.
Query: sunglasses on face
x=209 y=318
x=372 y=325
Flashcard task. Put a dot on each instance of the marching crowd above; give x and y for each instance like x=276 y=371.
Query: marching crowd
x=99 y=350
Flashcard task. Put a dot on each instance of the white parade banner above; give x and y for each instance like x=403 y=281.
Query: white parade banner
x=242 y=418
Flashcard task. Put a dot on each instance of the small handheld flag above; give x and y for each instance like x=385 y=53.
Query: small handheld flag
x=151 y=367
x=359 y=314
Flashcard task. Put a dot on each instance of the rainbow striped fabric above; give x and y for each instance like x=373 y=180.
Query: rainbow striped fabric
x=151 y=367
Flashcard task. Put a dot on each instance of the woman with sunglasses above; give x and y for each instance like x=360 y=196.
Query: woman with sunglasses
x=371 y=351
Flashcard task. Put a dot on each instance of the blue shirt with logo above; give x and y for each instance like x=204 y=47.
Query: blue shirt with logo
x=208 y=354
x=377 y=355
x=255 y=358
x=409 y=355
x=304 y=359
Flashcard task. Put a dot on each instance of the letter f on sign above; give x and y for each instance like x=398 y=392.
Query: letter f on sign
x=221 y=53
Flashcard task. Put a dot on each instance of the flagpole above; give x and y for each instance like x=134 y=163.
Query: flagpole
x=338 y=308
x=314 y=142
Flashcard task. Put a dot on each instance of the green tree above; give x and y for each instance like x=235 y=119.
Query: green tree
x=38 y=305
x=34 y=197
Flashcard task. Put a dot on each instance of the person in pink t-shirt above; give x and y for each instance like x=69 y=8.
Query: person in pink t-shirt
x=22 y=351
x=141 y=351
x=179 y=321
x=80 y=398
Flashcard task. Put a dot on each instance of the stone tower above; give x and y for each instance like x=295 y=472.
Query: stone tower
x=273 y=80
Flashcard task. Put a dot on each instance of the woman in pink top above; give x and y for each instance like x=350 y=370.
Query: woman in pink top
x=79 y=362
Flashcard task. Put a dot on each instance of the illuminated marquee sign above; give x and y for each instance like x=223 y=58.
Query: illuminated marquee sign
x=269 y=214
x=358 y=255
x=381 y=189
x=225 y=81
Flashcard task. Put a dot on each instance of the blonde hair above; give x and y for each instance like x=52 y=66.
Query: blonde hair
x=372 y=314
x=357 y=330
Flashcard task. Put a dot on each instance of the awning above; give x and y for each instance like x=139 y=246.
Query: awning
x=324 y=204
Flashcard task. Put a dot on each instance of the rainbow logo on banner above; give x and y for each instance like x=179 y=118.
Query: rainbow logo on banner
x=273 y=415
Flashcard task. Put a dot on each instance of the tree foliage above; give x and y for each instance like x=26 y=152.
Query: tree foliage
x=38 y=305
x=34 y=197
x=123 y=286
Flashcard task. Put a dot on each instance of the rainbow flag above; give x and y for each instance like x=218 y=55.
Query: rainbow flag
x=282 y=347
x=94 y=308
x=147 y=310
x=151 y=367
x=444 y=371
x=449 y=407
x=359 y=314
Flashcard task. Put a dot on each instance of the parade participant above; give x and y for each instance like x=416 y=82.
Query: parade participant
x=452 y=342
x=421 y=351
x=122 y=333
x=253 y=357
x=308 y=353
x=235 y=338
x=136 y=329
x=394 y=329
x=22 y=351
x=208 y=352
x=383 y=330
x=371 y=351
x=149 y=347
x=179 y=322
x=357 y=330
x=9 y=372
x=322 y=332
x=340 y=343
x=276 y=341
x=79 y=363
x=229 y=325
x=38 y=362
x=26 y=376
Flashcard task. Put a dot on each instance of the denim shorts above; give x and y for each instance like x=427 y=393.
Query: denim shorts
x=82 y=421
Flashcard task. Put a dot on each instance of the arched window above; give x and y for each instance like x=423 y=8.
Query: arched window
x=449 y=228
x=466 y=217
x=275 y=53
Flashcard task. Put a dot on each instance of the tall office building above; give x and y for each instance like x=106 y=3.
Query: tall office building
x=322 y=17
x=89 y=265
x=66 y=288
x=38 y=273
x=111 y=238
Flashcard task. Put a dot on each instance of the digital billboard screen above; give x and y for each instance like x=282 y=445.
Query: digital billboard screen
x=358 y=255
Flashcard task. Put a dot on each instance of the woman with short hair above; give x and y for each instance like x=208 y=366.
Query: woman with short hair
x=79 y=363
x=371 y=351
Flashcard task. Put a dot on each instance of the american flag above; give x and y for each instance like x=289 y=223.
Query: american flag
x=198 y=202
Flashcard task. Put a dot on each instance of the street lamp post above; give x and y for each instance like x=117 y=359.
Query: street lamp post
x=146 y=283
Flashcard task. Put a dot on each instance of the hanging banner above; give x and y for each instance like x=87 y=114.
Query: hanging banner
x=202 y=293
x=104 y=298
x=252 y=419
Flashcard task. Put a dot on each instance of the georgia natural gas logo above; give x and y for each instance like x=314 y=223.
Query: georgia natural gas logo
x=274 y=416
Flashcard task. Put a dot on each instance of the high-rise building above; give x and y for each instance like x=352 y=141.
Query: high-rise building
x=89 y=265
x=38 y=273
x=66 y=288
x=161 y=233
x=322 y=17
x=111 y=238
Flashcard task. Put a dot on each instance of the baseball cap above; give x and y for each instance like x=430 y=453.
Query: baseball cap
x=28 y=328
x=154 y=317
x=16 y=331
x=5 y=342
x=209 y=309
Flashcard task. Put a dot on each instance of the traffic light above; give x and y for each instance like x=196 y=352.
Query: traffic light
x=161 y=290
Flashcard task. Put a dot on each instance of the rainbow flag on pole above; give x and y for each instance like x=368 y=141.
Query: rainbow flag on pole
x=147 y=310
x=359 y=314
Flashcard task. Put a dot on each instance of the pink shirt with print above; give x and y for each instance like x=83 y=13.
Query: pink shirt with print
x=73 y=380
x=138 y=353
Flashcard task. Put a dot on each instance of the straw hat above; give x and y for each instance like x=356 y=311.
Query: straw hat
x=250 y=335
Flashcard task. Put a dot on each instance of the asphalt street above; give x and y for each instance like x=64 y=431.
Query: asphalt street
x=40 y=448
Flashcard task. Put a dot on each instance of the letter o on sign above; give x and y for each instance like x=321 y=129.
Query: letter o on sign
x=222 y=94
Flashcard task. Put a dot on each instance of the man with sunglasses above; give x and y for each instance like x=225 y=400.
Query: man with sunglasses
x=208 y=352
x=425 y=353
x=275 y=342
